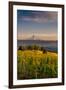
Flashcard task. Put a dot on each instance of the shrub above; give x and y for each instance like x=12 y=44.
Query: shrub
x=42 y=48
x=44 y=51
x=29 y=47
x=32 y=47
x=21 y=48
x=35 y=47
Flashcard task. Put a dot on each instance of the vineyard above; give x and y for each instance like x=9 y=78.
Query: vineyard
x=34 y=64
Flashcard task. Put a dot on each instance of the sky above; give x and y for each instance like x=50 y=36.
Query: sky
x=40 y=24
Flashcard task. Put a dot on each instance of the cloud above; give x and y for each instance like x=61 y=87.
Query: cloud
x=39 y=16
x=37 y=36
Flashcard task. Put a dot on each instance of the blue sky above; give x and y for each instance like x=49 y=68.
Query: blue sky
x=43 y=24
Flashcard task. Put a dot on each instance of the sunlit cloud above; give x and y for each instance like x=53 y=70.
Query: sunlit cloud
x=26 y=36
x=37 y=25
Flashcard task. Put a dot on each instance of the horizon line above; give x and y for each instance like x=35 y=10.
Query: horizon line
x=37 y=39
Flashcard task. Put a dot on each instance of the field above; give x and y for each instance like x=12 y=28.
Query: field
x=34 y=64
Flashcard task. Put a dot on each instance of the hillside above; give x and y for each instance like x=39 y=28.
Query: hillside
x=33 y=64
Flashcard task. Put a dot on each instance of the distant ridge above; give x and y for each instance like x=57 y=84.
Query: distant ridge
x=39 y=40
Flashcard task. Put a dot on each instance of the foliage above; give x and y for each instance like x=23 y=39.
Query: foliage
x=34 y=64
x=32 y=47
x=21 y=48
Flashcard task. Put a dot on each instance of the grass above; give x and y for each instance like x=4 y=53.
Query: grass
x=34 y=64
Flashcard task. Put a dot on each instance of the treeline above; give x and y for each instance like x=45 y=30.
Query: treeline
x=32 y=47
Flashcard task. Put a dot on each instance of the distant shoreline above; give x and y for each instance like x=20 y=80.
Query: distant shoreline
x=51 y=46
x=40 y=40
